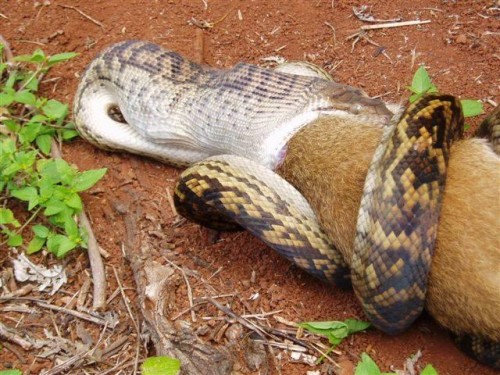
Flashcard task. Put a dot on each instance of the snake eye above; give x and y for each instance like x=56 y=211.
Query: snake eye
x=115 y=114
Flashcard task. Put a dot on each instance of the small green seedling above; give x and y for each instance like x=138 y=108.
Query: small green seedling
x=29 y=124
x=335 y=331
x=161 y=366
x=422 y=84
x=11 y=372
x=367 y=366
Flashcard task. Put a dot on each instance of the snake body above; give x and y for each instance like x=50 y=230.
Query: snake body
x=182 y=113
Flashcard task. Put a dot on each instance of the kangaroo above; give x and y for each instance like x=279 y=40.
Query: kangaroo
x=327 y=162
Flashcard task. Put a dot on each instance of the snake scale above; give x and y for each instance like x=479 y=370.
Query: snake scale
x=234 y=126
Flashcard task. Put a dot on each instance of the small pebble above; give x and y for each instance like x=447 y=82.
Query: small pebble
x=461 y=39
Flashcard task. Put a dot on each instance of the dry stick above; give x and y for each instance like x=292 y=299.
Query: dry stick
x=6 y=49
x=393 y=24
x=188 y=286
x=263 y=330
x=96 y=263
x=16 y=339
x=83 y=14
x=171 y=202
x=251 y=326
x=78 y=314
x=136 y=324
x=19 y=356
x=69 y=363
x=199 y=46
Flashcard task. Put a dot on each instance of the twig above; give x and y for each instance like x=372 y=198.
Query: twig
x=263 y=330
x=394 y=24
x=251 y=326
x=188 y=286
x=7 y=334
x=171 y=202
x=6 y=49
x=361 y=14
x=136 y=324
x=208 y=24
x=333 y=31
x=199 y=46
x=83 y=14
x=78 y=314
x=67 y=364
x=96 y=263
x=19 y=356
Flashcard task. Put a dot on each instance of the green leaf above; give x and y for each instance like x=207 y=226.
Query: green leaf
x=7 y=217
x=60 y=57
x=44 y=142
x=35 y=244
x=8 y=147
x=11 y=169
x=46 y=188
x=29 y=132
x=38 y=56
x=15 y=239
x=40 y=230
x=57 y=171
x=26 y=159
x=71 y=228
x=6 y=98
x=25 y=97
x=335 y=331
x=367 y=366
x=27 y=193
x=356 y=325
x=87 y=179
x=421 y=82
x=12 y=125
x=60 y=245
x=73 y=200
x=471 y=107
x=31 y=84
x=11 y=372
x=69 y=134
x=429 y=370
x=54 y=206
x=55 y=110
x=161 y=366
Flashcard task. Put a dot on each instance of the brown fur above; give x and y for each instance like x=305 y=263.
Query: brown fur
x=327 y=161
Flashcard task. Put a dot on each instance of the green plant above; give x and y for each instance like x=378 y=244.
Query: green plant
x=161 y=365
x=335 y=331
x=11 y=372
x=422 y=84
x=367 y=366
x=30 y=124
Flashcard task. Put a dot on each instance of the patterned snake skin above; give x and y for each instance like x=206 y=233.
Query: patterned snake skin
x=182 y=113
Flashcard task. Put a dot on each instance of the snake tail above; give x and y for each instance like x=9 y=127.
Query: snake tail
x=215 y=193
x=481 y=349
x=399 y=212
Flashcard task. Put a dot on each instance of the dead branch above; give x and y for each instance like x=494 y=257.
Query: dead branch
x=12 y=336
x=98 y=23
x=155 y=283
x=394 y=24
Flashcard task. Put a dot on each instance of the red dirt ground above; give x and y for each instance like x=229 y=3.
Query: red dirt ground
x=459 y=47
